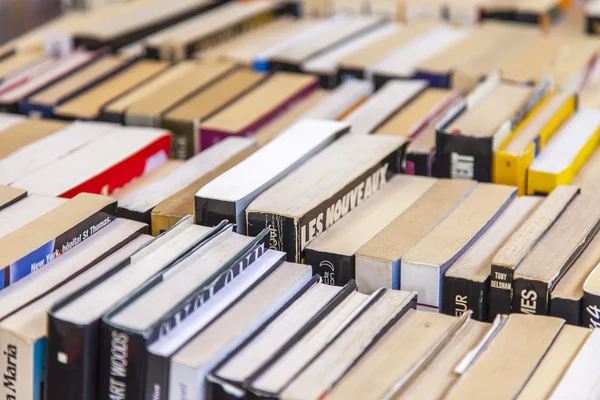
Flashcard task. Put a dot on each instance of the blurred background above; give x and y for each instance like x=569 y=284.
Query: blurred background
x=19 y=16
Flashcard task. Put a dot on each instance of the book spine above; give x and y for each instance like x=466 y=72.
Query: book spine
x=210 y=212
x=183 y=143
x=283 y=235
x=464 y=157
x=143 y=217
x=23 y=366
x=72 y=360
x=461 y=295
x=335 y=269
x=66 y=241
x=157 y=377
x=123 y=172
x=122 y=363
x=567 y=309
x=418 y=164
x=185 y=383
x=501 y=290
x=592 y=25
x=530 y=297
x=590 y=316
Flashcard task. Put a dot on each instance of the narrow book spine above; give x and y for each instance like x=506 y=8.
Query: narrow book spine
x=335 y=269
x=418 y=163
x=461 y=295
x=567 y=309
x=282 y=236
x=23 y=366
x=501 y=290
x=590 y=316
x=157 y=377
x=122 y=364
x=592 y=25
x=530 y=297
x=464 y=157
x=210 y=212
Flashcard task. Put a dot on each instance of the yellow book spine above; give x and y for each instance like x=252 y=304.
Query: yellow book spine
x=565 y=112
x=160 y=222
x=543 y=182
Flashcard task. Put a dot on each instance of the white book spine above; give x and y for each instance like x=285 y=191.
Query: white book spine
x=185 y=383
x=23 y=367
x=372 y=274
x=426 y=280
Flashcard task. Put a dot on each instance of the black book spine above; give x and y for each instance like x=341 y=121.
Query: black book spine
x=122 y=363
x=222 y=390
x=335 y=269
x=283 y=235
x=210 y=212
x=592 y=25
x=418 y=164
x=464 y=157
x=380 y=80
x=350 y=73
x=72 y=360
x=157 y=377
x=567 y=309
x=590 y=316
x=530 y=297
x=144 y=217
x=501 y=290
x=461 y=295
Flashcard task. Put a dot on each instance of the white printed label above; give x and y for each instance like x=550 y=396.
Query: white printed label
x=462 y=167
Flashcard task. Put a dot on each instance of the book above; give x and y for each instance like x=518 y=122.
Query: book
x=160 y=352
x=469 y=136
x=564 y=156
x=53 y=234
x=383 y=104
x=139 y=204
x=25 y=330
x=378 y=261
x=74 y=322
x=26 y=132
x=357 y=63
x=521 y=243
x=580 y=378
x=9 y=120
x=467 y=281
x=148 y=110
x=586 y=177
x=326 y=188
x=274 y=376
x=185 y=120
x=403 y=63
x=422 y=269
x=342 y=100
x=191 y=364
x=555 y=254
x=435 y=375
x=121 y=30
x=147 y=179
x=15 y=214
x=88 y=105
x=228 y=195
x=42 y=104
x=592 y=11
x=332 y=253
x=555 y=363
x=25 y=75
x=250 y=112
x=10 y=195
x=566 y=299
x=414 y=337
x=20 y=61
x=291 y=325
x=325 y=64
x=41 y=153
x=515 y=155
x=140 y=150
x=173 y=297
x=333 y=32
x=209 y=29
x=368 y=326
x=526 y=336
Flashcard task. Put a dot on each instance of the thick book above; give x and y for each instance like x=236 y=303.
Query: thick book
x=160 y=352
x=15 y=213
x=139 y=204
x=378 y=261
x=515 y=155
x=326 y=188
x=519 y=245
x=228 y=196
x=53 y=234
x=383 y=104
x=470 y=134
x=255 y=109
x=185 y=120
x=555 y=254
x=332 y=253
x=42 y=104
x=564 y=156
x=74 y=322
x=192 y=363
x=423 y=266
x=209 y=29
x=104 y=165
x=467 y=281
x=88 y=105
x=369 y=325
x=566 y=299
x=26 y=132
x=172 y=296
x=26 y=330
